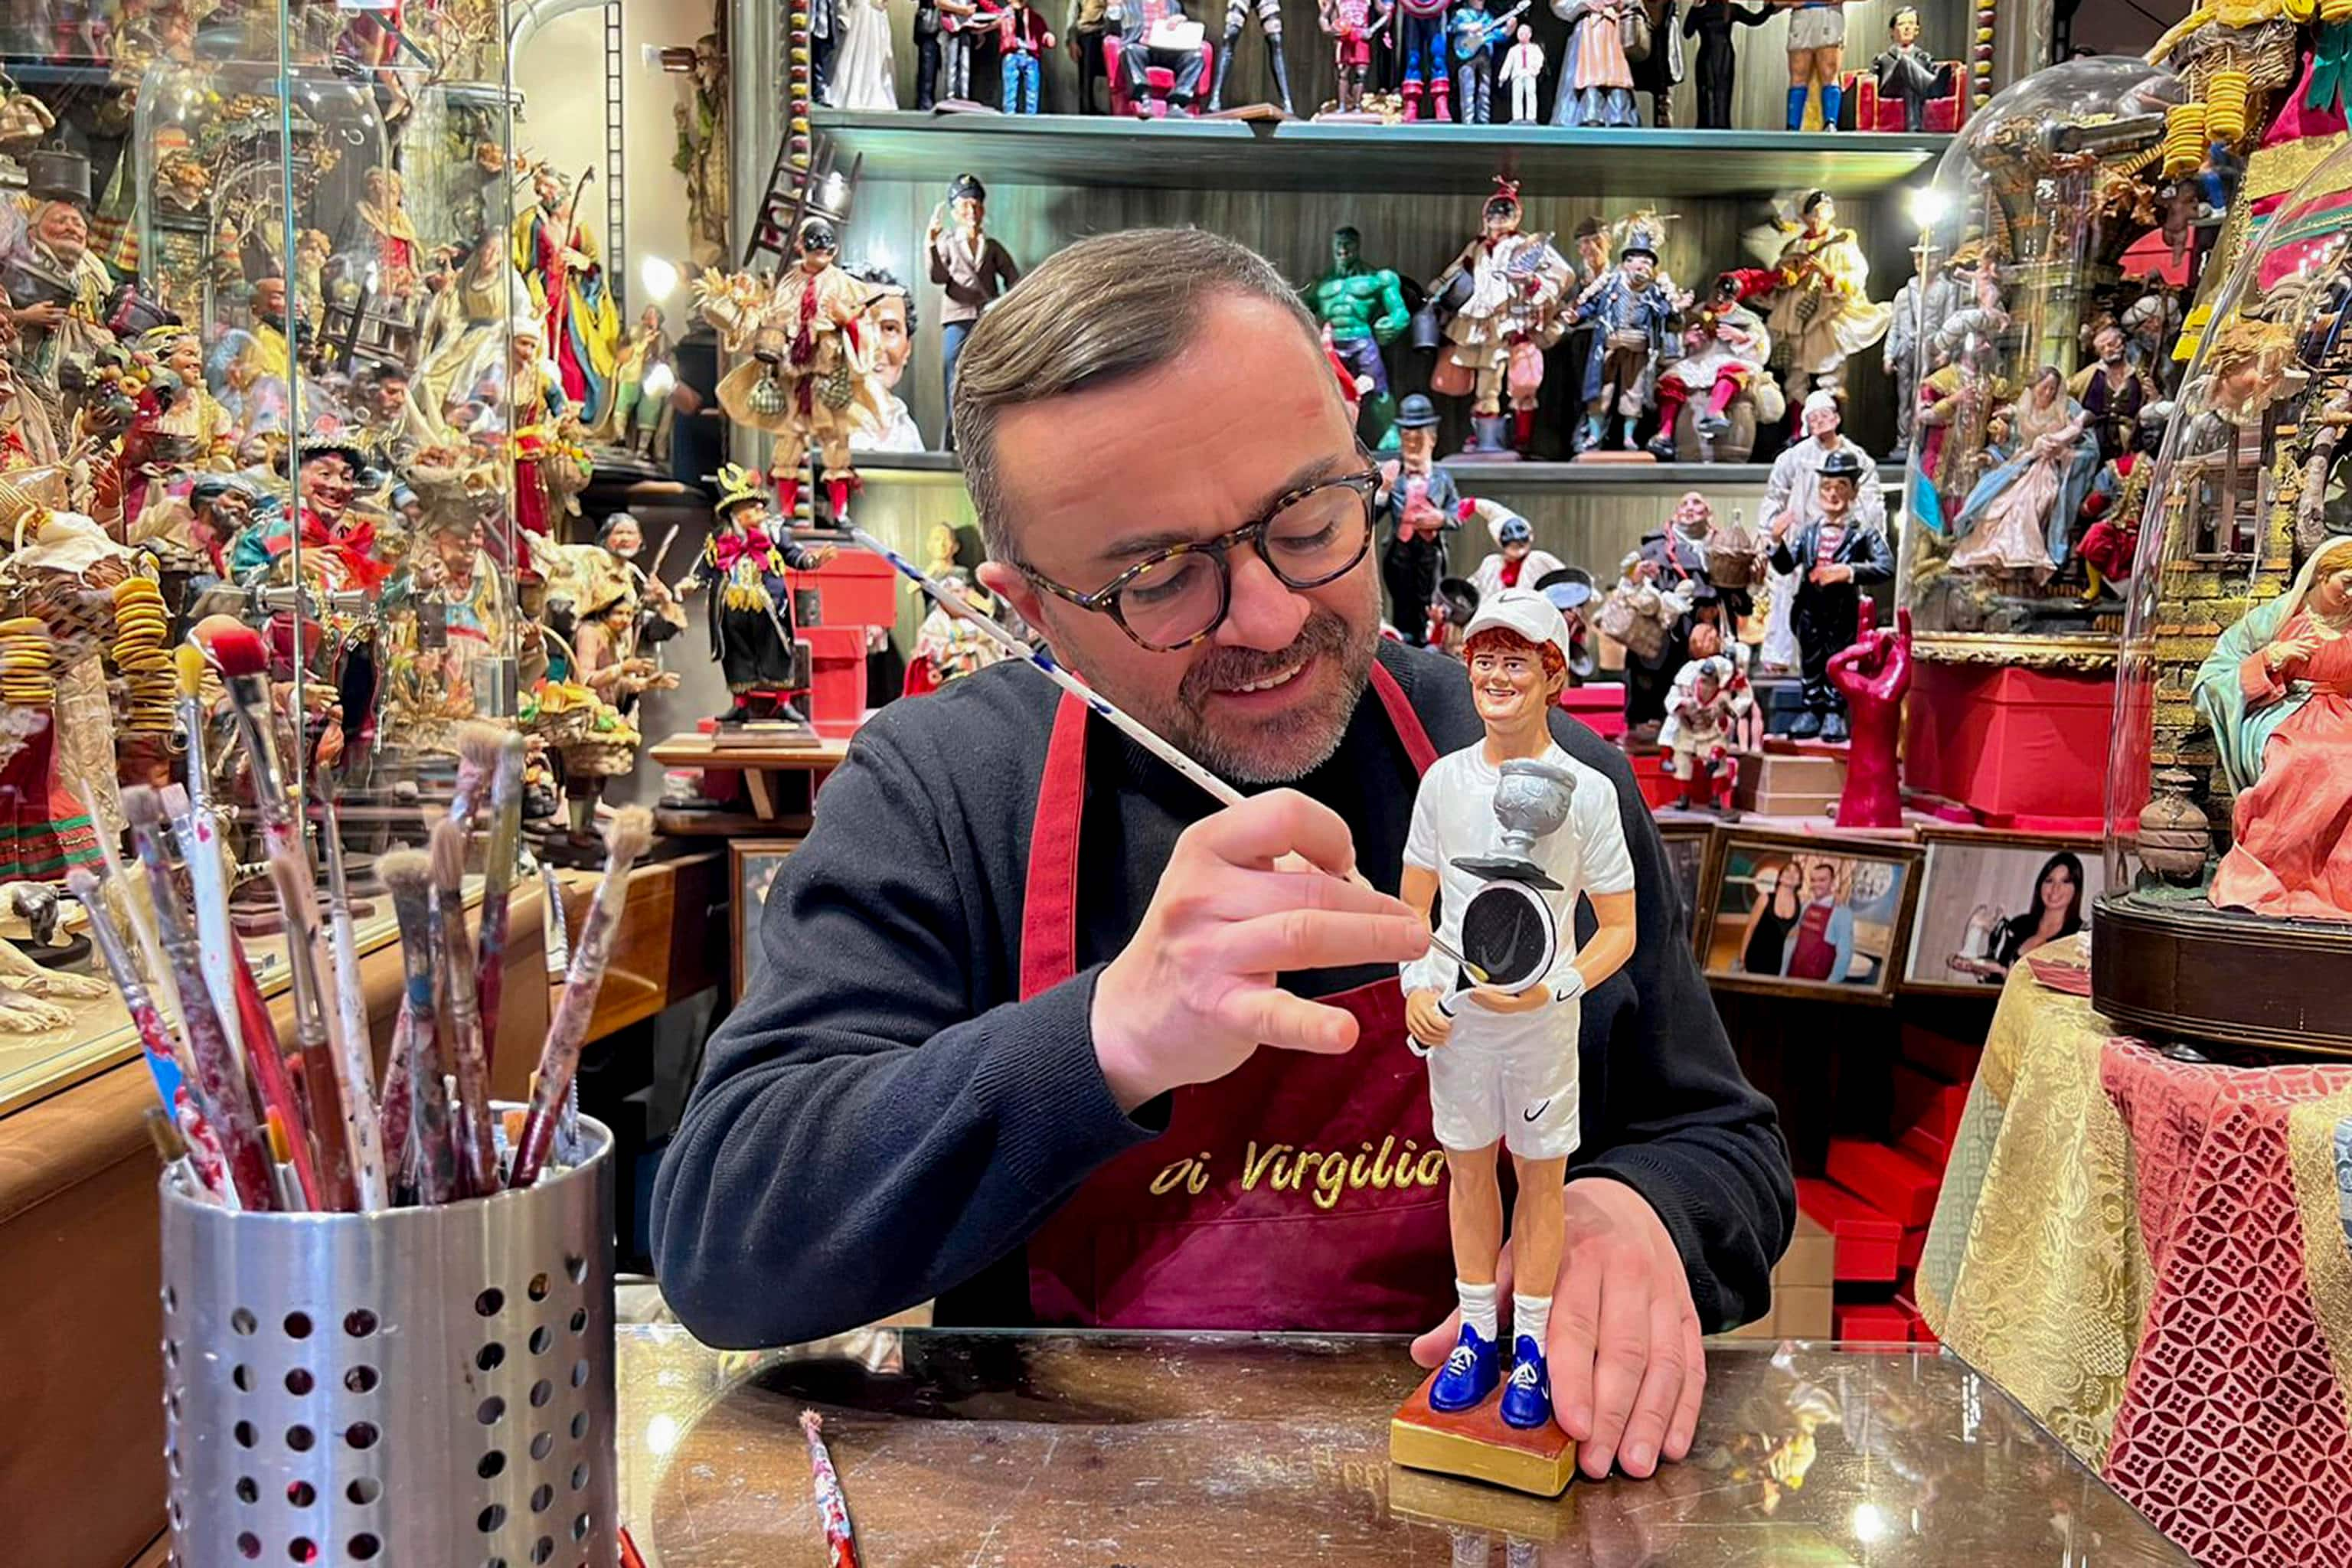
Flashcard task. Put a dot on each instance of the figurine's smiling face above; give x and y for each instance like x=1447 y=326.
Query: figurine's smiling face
x=1507 y=680
x=1639 y=268
x=65 y=231
x=891 y=342
x=1693 y=515
x=328 y=484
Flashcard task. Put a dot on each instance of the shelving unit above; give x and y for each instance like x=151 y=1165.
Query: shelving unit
x=1099 y=151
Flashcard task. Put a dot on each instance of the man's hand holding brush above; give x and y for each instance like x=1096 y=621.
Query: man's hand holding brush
x=1197 y=992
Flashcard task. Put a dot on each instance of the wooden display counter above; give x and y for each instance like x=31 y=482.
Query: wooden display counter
x=779 y=784
x=82 y=1455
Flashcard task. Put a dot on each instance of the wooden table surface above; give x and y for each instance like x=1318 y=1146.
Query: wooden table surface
x=1188 y=1451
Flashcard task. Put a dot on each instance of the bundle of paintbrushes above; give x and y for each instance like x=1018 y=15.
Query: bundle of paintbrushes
x=255 y=1121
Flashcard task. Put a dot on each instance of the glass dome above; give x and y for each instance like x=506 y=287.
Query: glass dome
x=2030 y=354
x=2229 y=784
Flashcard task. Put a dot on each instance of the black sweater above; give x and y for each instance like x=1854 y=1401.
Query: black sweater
x=882 y=1120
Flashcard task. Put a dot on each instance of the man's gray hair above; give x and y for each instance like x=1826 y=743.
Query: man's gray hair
x=1114 y=305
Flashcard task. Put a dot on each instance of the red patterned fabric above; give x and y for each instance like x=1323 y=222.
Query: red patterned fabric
x=2232 y=1435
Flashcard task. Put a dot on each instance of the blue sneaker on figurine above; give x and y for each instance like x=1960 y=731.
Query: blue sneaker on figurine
x=1527 y=1397
x=1469 y=1374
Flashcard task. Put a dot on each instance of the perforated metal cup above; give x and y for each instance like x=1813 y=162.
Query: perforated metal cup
x=428 y=1386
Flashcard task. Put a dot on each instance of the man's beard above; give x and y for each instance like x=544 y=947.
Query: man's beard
x=1287 y=747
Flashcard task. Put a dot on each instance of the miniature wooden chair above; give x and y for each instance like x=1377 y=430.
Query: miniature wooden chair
x=1946 y=113
x=1158 y=80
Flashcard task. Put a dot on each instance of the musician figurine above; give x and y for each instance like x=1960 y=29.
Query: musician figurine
x=1475 y=34
x=1523 y=65
x=1269 y=22
x=1349 y=24
x=1421 y=58
x=960 y=29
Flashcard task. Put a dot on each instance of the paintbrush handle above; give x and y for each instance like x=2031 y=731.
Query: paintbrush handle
x=592 y=953
x=476 y=1159
x=436 y=1161
x=267 y=1061
x=353 y=1037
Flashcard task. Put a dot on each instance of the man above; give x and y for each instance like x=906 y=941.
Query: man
x=1420 y=503
x=1167 y=38
x=1788 y=494
x=57 y=286
x=2113 y=391
x=1628 y=309
x=891 y=320
x=1821 y=946
x=1907 y=72
x=1090 y=22
x=1365 y=309
x=973 y=267
x=926 y=54
x=1045 y=1065
x=1834 y=557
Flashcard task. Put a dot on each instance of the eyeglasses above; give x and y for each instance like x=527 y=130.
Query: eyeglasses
x=1310 y=536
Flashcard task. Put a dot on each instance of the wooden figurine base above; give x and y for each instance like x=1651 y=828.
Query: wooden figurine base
x=1476 y=1446
x=2170 y=963
x=764 y=732
x=1636 y=457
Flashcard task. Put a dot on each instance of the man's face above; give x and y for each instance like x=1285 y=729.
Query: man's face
x=227 y=514
x=2110 y=346
x=1821 y=882
x=1822 y=425
x=1708 y=688
x=1247 y=411
x=550 y=191
x=625 y=541
x=1516 y=546
x=1593 y=251
x=1837 y=497
x=1508 y=682
x=891 y=341
x=1640 y=269
x=526 y=349
x=1502 y=221
x=185 y=358
x=391 y=393
x=457 y=547
x=1693 y=515
x=1907 y=27
x=969 y=211
x=65 y=231
x=815 y=258
x=328 y=483
x=1824 y=212
x=650 y=319
x=269 y=300
x=1345 y=247
x=1419 y=446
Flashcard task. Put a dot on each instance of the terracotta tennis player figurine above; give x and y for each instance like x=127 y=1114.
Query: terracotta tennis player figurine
x=1512 y=830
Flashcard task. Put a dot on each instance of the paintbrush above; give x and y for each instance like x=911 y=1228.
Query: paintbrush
x=477 y=755
x=1134 y=729
x=354 y=1042
x=180 y=1157
x=408 y=876
x=154 y=1036
x=500 y=753
x=626 y=836
x=219 y=1079
x=234 y=987
x=454 y=951
x=344 y=1137
x=238 y=651
x=141 y=924
x=188 y=664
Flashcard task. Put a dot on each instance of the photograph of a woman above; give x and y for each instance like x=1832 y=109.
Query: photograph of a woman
x=1987 y=902
x=1779 y=896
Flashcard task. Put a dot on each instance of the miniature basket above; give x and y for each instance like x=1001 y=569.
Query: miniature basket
x=1731 y=560
x=419 y=1385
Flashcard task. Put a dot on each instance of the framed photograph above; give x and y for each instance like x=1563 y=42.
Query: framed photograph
x=752 y=864
x=1799 y=914
x=1690 y=855
x=1987 y=899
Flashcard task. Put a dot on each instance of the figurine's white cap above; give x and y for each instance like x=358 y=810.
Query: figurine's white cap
x=1820 y=403
x=1526 y=612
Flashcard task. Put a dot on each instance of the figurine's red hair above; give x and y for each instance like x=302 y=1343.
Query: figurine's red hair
x=1505 y=638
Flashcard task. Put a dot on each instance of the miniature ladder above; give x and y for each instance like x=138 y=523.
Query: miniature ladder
x=617 y=198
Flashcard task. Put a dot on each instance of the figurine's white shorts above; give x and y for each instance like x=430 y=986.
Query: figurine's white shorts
x=1511 y=1079
x=1817 y=28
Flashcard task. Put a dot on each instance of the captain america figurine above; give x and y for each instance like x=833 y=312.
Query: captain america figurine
x=1511 y=831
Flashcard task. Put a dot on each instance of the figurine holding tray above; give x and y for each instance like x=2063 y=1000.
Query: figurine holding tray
x=1513 y=831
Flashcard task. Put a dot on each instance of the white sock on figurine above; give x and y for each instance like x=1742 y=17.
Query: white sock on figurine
x=1478 y=1307
x=1530 y=1317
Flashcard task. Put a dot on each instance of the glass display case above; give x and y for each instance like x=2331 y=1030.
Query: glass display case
x=2031 y=360
x=2229 y=785
x=290 y=367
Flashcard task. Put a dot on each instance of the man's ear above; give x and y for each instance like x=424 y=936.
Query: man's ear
x=1008 y=584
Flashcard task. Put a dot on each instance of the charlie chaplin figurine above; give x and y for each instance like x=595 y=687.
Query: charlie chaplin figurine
x=751 y=609
x=1835 y=556
x=1421 y=504
x=1512 y=831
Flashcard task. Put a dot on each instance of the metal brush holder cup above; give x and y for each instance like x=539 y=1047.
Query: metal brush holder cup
x=421 y=1385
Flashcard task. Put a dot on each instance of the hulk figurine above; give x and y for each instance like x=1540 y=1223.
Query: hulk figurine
x=1364 y=309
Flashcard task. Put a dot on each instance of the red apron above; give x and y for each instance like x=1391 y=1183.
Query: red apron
x=1814 y=954
x=1302 y=1192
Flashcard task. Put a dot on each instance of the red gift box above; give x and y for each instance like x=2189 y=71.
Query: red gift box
x=1599 y=709
x=1867 y=1239
x=1888 y=1179
x=1913 y=1247
x=1872 y=1323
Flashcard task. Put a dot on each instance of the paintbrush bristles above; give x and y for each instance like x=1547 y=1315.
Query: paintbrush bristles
x=406 y=872
x=630 y=833
x=480 y=746
x=447 y=856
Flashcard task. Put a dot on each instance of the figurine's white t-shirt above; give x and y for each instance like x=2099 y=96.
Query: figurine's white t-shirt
x=1454 y=817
